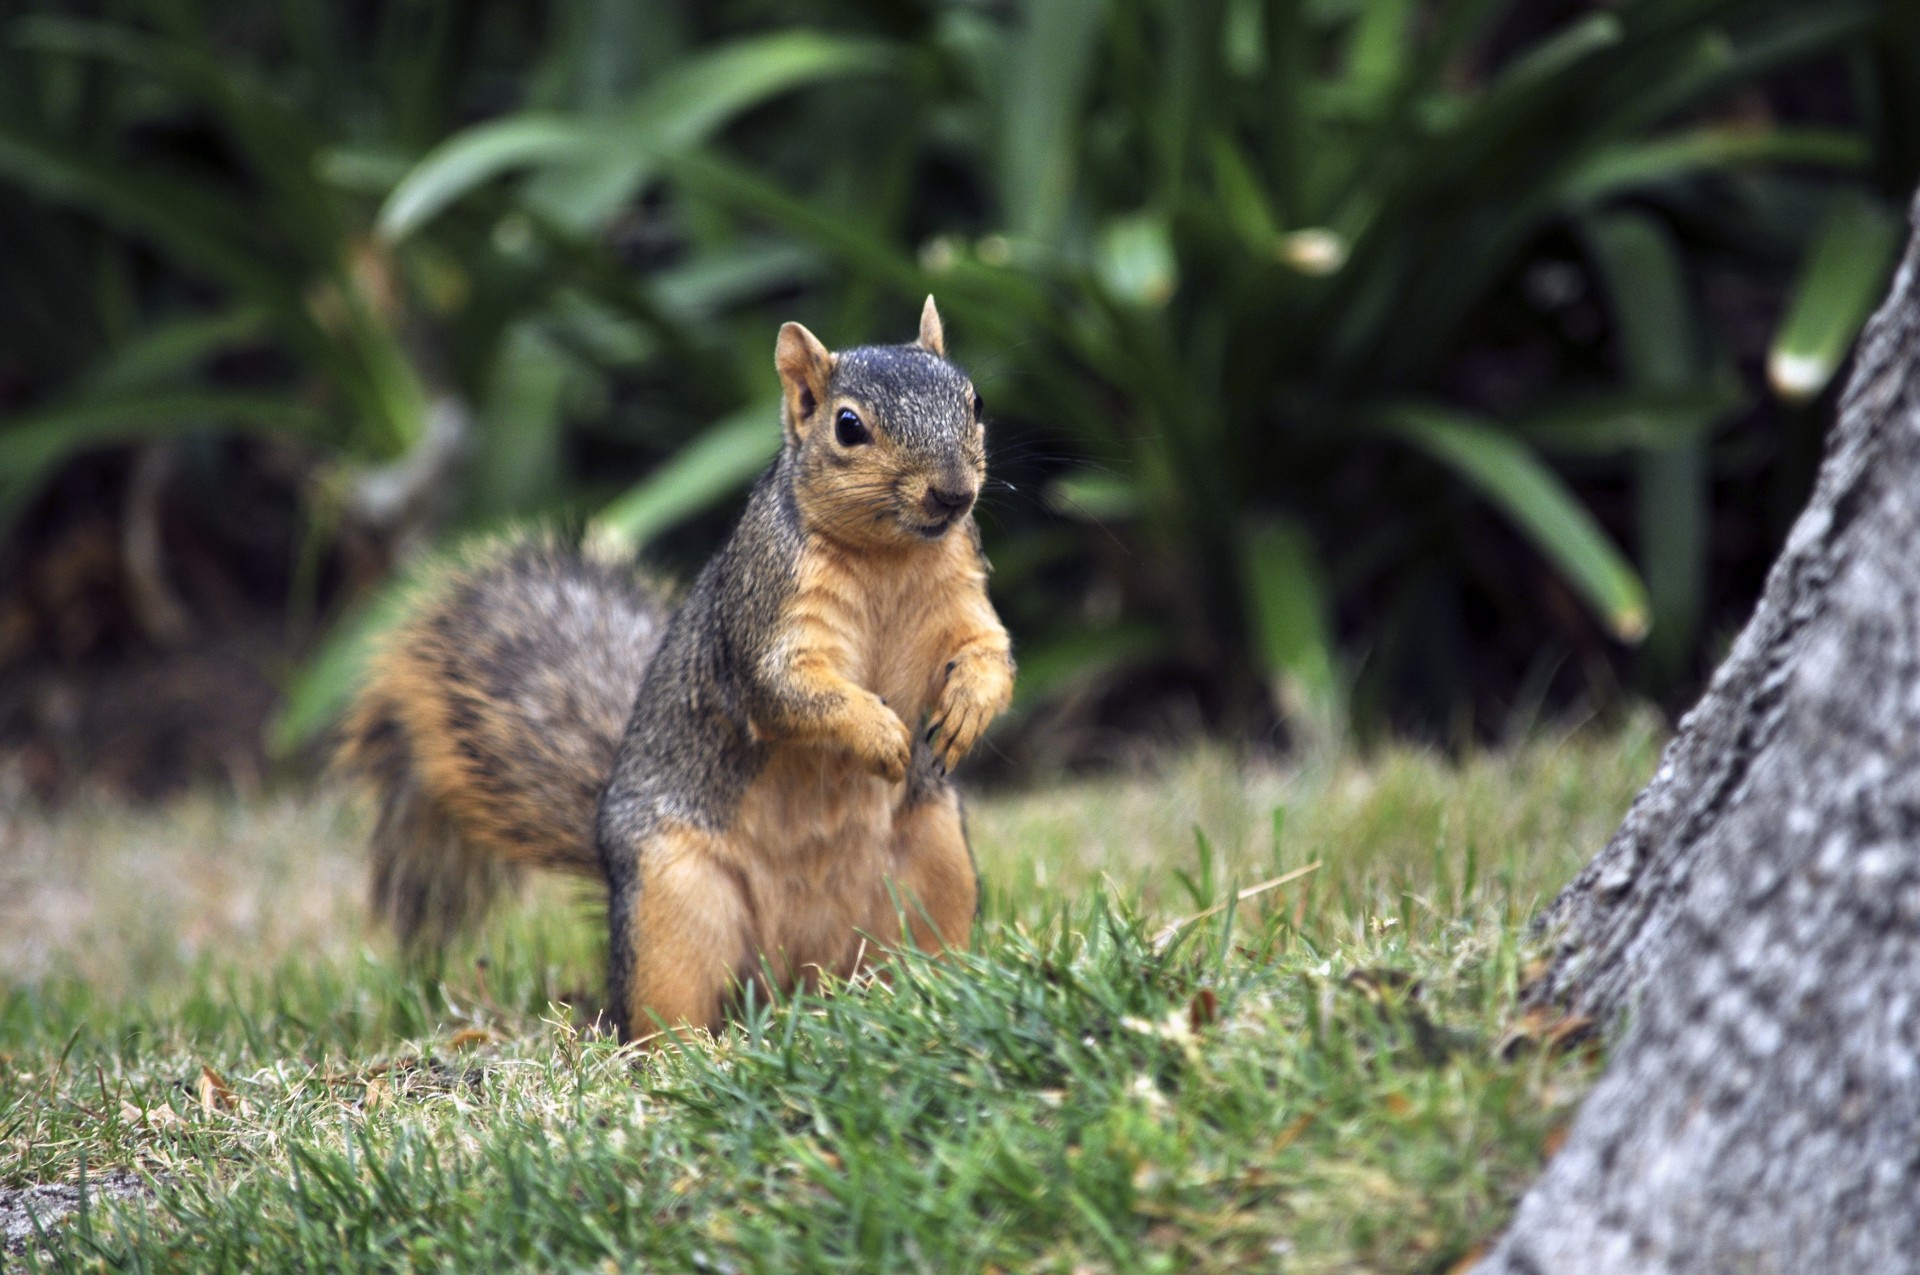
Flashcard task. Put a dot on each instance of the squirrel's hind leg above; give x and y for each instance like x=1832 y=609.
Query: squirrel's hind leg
x=681 y=935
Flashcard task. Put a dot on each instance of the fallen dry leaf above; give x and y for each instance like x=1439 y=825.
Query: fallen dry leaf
x=160 y=1117
x=1470 y=1259
x=1547 y=1028
x=1291 y=1134
x=215 y=1093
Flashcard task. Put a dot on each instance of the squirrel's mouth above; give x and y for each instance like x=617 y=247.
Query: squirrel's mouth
x=934 y=530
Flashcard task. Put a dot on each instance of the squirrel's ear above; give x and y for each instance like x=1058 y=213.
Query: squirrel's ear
x=931 y=336
x=805 y=367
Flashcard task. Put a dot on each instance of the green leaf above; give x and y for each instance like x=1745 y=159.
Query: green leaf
x=1048 y=69
x=1092 y=496
x=720 y=278
x=1241 y=199
x=1630 y=165
x=1645 y=277
x=1050 y=667
x=1672 y=490
x=204 y=232
x=39 y=438
x=1632 y=420
x=1377 y=52
x=1552 y=58
x=602 y=161
x=33 y=444
x=474 y=157
x=170 y=348
x=687 y=104
x=686 y=107
x=713 y=466
x=1511 y=477
x=1844 y=275
x=1135 y=260
x=1290 y=607
x=741 y=189
x=518 y=462
x=319 y=689
x=363 y=170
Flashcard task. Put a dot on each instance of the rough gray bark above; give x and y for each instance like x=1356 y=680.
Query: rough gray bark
x=1755 y=923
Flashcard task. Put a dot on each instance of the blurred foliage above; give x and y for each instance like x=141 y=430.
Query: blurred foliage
x=1323 y=338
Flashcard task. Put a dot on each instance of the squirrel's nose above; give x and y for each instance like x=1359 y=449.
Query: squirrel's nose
x=944 y=503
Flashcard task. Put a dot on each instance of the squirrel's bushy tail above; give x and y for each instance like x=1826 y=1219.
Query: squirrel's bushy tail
x=489 y=723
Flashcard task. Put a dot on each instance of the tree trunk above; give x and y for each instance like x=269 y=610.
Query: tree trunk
x=1754 y=926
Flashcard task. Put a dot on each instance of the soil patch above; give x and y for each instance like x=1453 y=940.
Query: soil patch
x=53 y=1203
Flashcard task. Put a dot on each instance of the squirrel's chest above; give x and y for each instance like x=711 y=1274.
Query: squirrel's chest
x=896 y=628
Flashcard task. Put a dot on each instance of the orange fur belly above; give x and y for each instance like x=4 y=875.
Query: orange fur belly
x=813 y=837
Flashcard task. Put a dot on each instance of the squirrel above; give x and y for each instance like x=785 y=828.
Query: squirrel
x=761 y=777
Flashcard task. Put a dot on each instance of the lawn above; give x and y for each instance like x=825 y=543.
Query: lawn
x=1330 y=1075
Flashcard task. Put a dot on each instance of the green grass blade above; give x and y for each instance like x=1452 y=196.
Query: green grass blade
x=1237 y=193
x=697 y=97
x=1844 y=274
x=1511 y=477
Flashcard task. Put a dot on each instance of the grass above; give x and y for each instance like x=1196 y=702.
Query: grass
x=1311 y=1080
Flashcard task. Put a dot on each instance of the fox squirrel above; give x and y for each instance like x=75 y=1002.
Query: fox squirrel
x=778 y=797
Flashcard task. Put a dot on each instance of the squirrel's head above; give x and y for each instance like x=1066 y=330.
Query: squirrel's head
x=886 y=441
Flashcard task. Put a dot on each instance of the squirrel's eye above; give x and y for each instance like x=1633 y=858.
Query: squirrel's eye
x=979 y=407
x=848 y=430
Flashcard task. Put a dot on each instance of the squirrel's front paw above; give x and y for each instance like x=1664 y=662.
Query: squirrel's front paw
x=977 y=690
x=882 y=742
